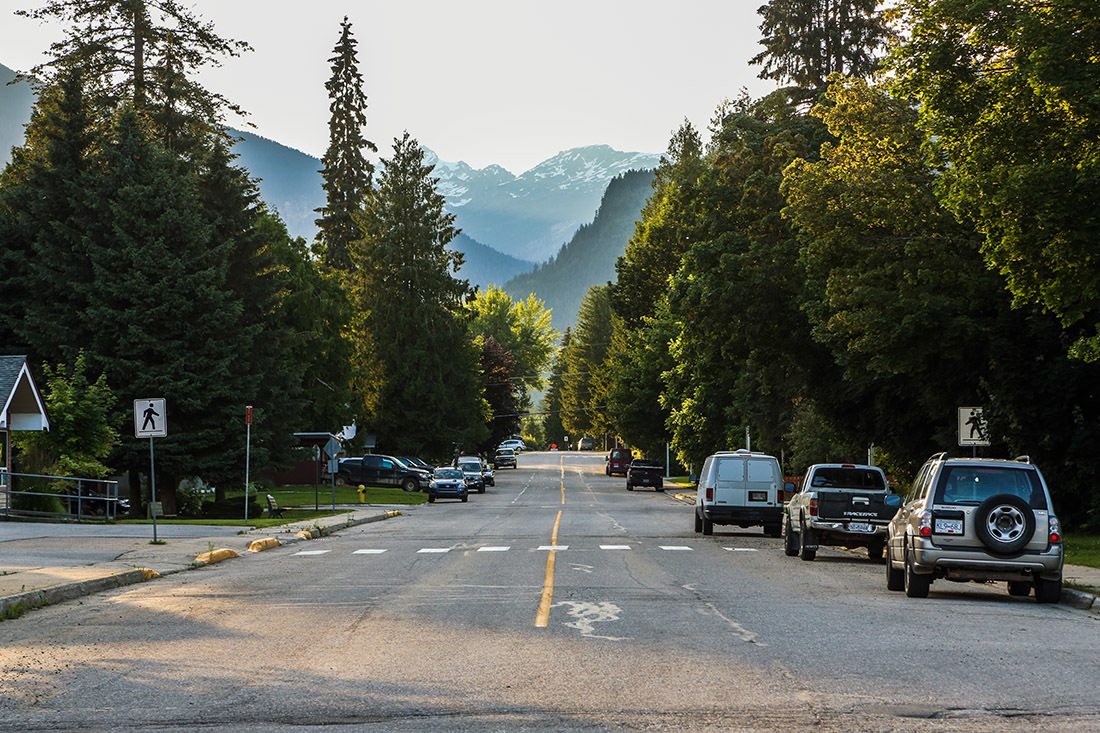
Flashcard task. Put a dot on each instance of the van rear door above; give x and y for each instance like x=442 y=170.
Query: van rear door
x=762 y=482
x=729 y=484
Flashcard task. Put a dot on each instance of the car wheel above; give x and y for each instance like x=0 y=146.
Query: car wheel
x=481 y=489
x=698 y=523
x=1019 y=588
x=410 y=484
x=708 y=526
x=916 y=585
x=790 y=541
x=804 y=552
x=895 y=579
x=629 y=486
x=773 y=530
x=875 y=551
x=607 y=470
x=431 y=499
x=1004 y=523
x=465 y=499
x=342 y=479
x=1048 y=591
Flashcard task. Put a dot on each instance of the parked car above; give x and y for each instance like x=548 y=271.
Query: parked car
x=416 y=462
x=487 y=473
x=447 y=482
x=742 y=488
x=471 y=470
x=378 y=470
x=618 y=461
x=976 y=519
x=504 y=457
x=644 y=472
x=840 y=504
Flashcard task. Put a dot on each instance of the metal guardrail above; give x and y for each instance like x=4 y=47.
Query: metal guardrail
x=90 y=493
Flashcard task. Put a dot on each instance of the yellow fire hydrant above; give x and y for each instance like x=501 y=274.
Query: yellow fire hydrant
x=362 y=493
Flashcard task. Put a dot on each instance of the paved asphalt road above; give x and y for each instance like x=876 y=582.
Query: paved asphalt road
x=432 y=621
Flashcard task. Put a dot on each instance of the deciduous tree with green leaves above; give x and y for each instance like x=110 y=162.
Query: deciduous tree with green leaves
x=521 y=327
x=1008 y=98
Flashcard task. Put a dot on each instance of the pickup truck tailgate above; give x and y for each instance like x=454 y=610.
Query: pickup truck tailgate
x=853 y=505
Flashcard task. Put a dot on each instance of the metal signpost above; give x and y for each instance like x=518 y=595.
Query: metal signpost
x=247 y=455
x=972 y=428
x=332 y=450
x=150 y=421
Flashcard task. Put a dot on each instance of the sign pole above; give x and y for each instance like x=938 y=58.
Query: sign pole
x=153 y=488
x=247 y=455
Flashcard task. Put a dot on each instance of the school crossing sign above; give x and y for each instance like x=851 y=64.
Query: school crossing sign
x=149 y=418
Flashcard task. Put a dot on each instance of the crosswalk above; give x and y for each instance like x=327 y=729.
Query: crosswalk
x=509 y=548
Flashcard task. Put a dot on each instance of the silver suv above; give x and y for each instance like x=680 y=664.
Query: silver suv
x=976 y=519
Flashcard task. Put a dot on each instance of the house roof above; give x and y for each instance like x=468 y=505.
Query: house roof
x=21 y=405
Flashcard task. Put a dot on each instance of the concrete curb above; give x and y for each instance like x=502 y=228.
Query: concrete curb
x=1077 y=598
x=14 y=606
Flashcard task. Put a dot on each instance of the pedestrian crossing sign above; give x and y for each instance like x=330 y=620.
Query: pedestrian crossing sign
x=149 y=418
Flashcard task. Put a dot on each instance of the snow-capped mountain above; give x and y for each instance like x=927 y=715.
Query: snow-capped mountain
x=530 y=216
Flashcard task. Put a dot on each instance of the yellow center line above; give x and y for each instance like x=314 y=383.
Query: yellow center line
x=542 y=618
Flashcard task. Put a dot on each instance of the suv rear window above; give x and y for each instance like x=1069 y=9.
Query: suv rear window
x=848 y=478
x=975 y=484
x=620 y=453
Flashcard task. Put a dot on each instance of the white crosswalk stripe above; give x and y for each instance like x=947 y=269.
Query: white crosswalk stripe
x=368 y=552
x=312 y=552
x=493 y=549
x=739 y=549
x=542 y=548
x=676 y=547
x=614 y=547
x=433 y=550
x=553 y=547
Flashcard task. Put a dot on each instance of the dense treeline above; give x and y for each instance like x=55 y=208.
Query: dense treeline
x=138 y=261
x=850 y=259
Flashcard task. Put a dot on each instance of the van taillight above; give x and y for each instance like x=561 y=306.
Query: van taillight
x=813 y=507
x=779 y=496
x=710 y=494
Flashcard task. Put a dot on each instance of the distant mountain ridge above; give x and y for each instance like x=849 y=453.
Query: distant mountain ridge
x=509 y=222
x=589 y=257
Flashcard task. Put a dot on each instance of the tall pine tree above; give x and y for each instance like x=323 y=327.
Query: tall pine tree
x=347 y=173
x=417 y=368
x=806 y=40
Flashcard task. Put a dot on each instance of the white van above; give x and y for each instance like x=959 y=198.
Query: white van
x=740 y=487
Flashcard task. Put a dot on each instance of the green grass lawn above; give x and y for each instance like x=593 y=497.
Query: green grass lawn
x=1082 y=549
x=304 y=496
x=289 y=515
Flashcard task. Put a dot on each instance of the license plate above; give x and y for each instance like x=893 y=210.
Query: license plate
x=758 y=496
x=859 y=527
x=949 y=526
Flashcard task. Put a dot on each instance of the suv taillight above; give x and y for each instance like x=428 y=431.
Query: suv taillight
x=1055 y=529
x=813 y=507
x=710 y=494
x=924 y=528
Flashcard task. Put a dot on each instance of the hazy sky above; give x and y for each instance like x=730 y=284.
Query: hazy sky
x=510 y=82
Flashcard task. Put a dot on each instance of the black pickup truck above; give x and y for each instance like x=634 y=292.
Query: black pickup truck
x=839 y=504
x=376 y=470
x=645 y=473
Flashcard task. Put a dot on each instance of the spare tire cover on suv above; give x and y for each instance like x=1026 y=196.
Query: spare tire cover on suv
x=1004 y=523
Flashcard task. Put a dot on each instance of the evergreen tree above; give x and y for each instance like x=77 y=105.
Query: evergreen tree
x=347 y=173
x=583 y=393
x=46 y=217
x=139 y=52
x=807 y=40
x=552 y=427
x=159 y=328
x=416 y=367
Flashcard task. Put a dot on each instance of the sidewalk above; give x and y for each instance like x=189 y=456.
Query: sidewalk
x=32 y=588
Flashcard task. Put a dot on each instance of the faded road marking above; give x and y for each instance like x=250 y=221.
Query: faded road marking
x=586 y=615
